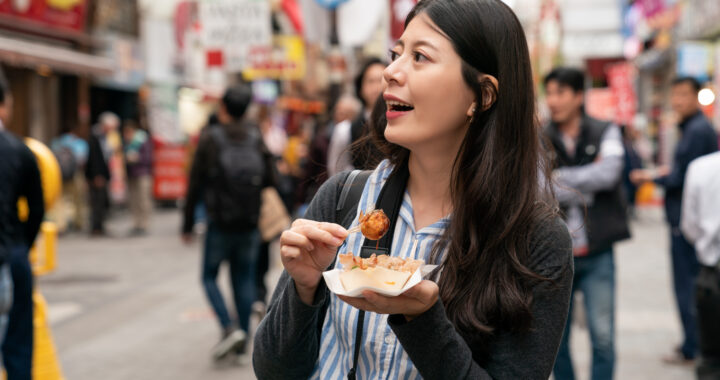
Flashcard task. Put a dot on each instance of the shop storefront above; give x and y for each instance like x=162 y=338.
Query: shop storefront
x=47 y=62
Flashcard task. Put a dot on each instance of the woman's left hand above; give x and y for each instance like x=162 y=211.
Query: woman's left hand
x=412 y=303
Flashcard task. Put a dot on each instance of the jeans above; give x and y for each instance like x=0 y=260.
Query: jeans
x=17 y=347
x=6 y=293
x=595 y=278
x=685 y=270
x=263 y=264
x=708 y=307
x=240 y=250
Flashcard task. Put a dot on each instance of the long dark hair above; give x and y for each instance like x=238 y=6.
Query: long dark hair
x=498 y=185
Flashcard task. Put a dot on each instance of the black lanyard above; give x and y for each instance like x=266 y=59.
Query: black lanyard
x=390 y=201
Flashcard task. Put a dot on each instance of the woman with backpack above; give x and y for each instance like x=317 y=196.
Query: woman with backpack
x=464 y=185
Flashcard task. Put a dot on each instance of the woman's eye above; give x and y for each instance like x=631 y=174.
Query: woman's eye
x=393 y=55
x=419 y=57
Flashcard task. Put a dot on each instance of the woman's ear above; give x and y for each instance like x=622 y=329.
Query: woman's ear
x=489 y=85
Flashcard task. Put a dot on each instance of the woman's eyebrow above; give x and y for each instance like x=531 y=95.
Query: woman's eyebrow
x=426 y=43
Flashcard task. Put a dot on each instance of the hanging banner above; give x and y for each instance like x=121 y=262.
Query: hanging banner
x=53 y=14
x=234 y=27
x=600 y=103
x=285 y=59
x=620 y=79
x=169 y=170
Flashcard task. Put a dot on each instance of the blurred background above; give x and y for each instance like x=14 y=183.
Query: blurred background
x=124 y=298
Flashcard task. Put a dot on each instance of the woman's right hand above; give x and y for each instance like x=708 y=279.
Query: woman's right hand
x=307 y=249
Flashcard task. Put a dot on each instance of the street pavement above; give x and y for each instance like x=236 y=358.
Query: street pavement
x=133 y=308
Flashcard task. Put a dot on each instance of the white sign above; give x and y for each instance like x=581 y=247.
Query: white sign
x=234 y=26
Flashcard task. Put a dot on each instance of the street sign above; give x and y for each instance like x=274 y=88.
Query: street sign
x=234 y=27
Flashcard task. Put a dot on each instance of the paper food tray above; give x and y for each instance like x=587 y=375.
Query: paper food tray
x=332 y=279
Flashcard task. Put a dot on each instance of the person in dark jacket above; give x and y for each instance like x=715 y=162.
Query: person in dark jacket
x=97 y=171
x=589 y=158
x=698 y=139
x=230 y=168
x=19 y=177
x=138 y=160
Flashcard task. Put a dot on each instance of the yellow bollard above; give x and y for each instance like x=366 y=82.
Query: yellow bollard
x=45 y=360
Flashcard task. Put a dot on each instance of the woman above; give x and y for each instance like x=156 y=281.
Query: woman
x=461 y=117
x=368 y=87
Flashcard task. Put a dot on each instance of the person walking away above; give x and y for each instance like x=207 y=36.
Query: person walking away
x=589 y=160
x=138 y=159
x=19 y=177
x=339 y=158
x=700 y=224
x=230 y=168
x=97 y=172
x=71 y=152
x=368 y=87
x=698 y=139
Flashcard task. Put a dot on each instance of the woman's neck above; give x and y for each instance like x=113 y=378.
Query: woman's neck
x=429 y=186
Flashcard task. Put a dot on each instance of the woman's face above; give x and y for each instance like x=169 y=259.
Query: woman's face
x=427 y=100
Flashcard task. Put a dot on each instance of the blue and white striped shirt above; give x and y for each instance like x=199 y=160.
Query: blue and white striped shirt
x=381 y=355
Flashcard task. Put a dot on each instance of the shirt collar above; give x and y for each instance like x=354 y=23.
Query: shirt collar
x=687 y=120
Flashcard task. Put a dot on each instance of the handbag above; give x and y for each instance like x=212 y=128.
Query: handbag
x=274 y=217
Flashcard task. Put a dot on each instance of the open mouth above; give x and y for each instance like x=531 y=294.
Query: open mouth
x=396 y=106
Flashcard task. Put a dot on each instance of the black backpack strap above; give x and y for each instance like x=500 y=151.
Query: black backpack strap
x=350 y=194
x=390 y=201
x=349 y=197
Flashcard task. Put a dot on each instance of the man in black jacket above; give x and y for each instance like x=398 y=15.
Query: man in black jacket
x=230 y=168
x=698 y=139
x=97 y=171
x=19 y=177
x=588 y=168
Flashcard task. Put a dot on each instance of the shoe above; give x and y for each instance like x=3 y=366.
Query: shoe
x=677 y=358
x=228 y=344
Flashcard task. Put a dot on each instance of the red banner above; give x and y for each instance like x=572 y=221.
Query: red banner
x=621 y=79
x=169 y=170
x=57 y=14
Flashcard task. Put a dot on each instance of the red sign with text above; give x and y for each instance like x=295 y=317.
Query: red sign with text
x=56 y=14
x=169 y=170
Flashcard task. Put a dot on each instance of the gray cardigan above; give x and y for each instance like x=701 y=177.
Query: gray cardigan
x=287 y=340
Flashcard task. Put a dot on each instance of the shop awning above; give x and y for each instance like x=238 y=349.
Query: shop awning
x=32 y=54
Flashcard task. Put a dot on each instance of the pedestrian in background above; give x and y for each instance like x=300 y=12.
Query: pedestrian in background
x=698 y=139
x=138 y=161
x=97 y=172
x=368 y=87
x=589 y=161
x=339 y=157
x=19 y=177
x=230 y=168
x=71 y=152
x=700 y=224
x=463 y=172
